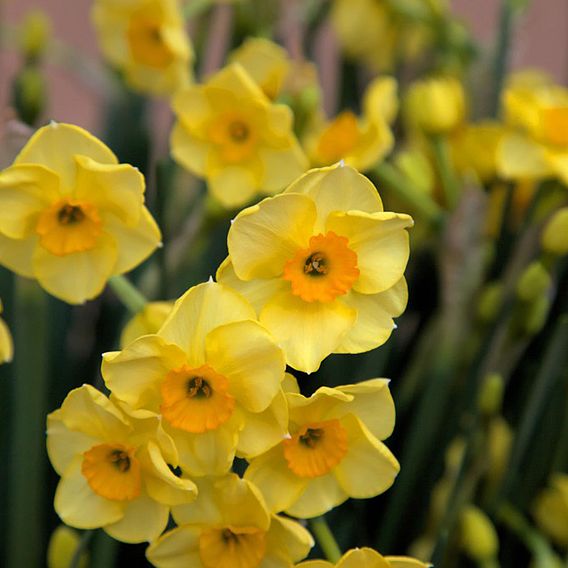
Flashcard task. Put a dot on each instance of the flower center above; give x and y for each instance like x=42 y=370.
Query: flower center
x=238 y=131
x=146 y=42
x=324 y=270
x=196 y=400
x=232 y=547
x=316 y=448
x=69 y=226
x=112 y=471
x=339 y=138
x=234 y=136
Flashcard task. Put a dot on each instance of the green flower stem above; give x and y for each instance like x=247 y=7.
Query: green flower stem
x=446 y=171
x=402 y=188
x=104 y=550
x=128 y=294
x=194 y=8
x=81 y=549
x=325 y=539
x=27 y=465
x=501 y=60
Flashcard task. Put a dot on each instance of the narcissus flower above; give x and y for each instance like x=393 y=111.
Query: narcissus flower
x=366 y=558
x=6 y=345
x=71 y=216
x=551 y=509
x=113 y=467
x=230 y=133
x=228 y=526
x=212 y=373
x=147 y=321
x=322 y=264
x=333 y=451
x=147 y=41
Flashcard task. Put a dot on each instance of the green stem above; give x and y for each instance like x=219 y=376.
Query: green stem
x=30 y=389
x=450 y=183
x=501 y=61
x=104 y=551
x=128 y=294
x=194 y=8
x=400 y=186
x=325 y=539
x=488 y=563
x=81 y=548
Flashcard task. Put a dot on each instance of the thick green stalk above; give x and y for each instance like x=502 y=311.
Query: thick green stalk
x=325 y=539
x=128 y=294
x=450 y=183
x=26 y=531
x=501 y=60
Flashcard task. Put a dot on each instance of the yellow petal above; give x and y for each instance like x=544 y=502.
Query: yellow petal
x=200 y=310
x=25 y=191
x=191 y=105
x=287 y=538
x=374 y=143
x=188 y=150
x=176 y=548
x=6 y=344
x=235 y=79
x=380 y=101
x=320 y=495
x=79 y=276
x=79 y=506
x=263 y=237
x=337 y=188
x=518 y=157
x=55 y=146
x=233 y=186
x=362 y=558
x=245 y=353
x=315 y=564
x=559 y=164
x=135 y=374
x=405 y=562
x=375 y=313
x=381 y=244
x=144 y=520
x=307 y=331
x=282 y=166
x=368 y=468
x=148 y=320
x=17 y=254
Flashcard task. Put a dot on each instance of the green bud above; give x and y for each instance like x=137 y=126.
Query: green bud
x=535 y=316
x=36 y=32
x=478 y=536
x=534 y=282
x=555 y=235
x=491 y=394
x=29 y=94
x=490 y=302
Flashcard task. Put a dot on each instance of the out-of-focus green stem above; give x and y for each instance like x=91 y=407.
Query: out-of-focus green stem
x=26 y=532
x=127 y=293
x=501 y=60
x=81 y=549
x=325 y=539
x=194 y=8
x=450 y=184
x=103 y=551
x=399 y=185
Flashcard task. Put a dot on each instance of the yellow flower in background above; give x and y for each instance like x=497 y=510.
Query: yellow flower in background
x=229 y=132
x=551 y=509
x=366 y=558
x=554 y=238
x=6 y=344
x=212 y=373
x=228 y=526
x=333 y=451
x=62 y=547
x=71 y=216
x=536 y=146
x=360 y=141
x=148 y=321
x=478 y=537
x=147 y=41
x=322 y=264
x=113 y=467
x=436 y=105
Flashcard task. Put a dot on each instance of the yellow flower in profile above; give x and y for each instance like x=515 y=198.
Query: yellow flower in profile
x=366 y=558
x=333 y=451
x=322 y=264
x=113 y=467
x=147 y=41
x=71 y=216
x=230 y=133
x=212 y=373
x=551 y=509
x=147 y=321
x=229 y=526
x=6 y=344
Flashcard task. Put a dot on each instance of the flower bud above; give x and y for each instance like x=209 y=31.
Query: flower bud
x=555 y=235
x=478 y=536
x=35 y=34
x=491 y=394
x=489 y=302
x=149 y=320
x=534 y=282
x=29 y=94
x=62 y=547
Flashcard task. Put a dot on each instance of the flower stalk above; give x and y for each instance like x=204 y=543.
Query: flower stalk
x=325 y=538
x=128 y=294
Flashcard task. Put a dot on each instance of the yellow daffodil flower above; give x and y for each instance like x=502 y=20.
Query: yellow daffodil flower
x=229 y=132
x=322 y=264
x=333 y=451
x=366 y=558
x=147 y=41
x=536 y=110
x=148 y=321
x=71 y=216
x=6 y=344
x=360 y=141
x=228 y=526
x=113 y=467
x=212 y=373
x=551 y=510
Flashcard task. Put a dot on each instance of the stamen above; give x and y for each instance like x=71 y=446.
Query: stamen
x=120 y=460
x=238 y=131
x=315 y=264
x=198 y=387
x=311 y=437
x=70 y=214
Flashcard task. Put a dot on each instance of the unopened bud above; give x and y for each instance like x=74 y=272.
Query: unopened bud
x=490 y=302
x=36 y=31
x=491 y=394
x=534 y=282
x=478 y=536
x=555 y=235
x=29 y=94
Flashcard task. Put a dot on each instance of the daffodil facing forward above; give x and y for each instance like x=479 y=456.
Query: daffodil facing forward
x=230 y=133
x=113 y=467
x=366 y=558
x=212 y=373
x=333 y=451
x=147 y=41
x=323 y=265
x=71 y=216
x=229 y=526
